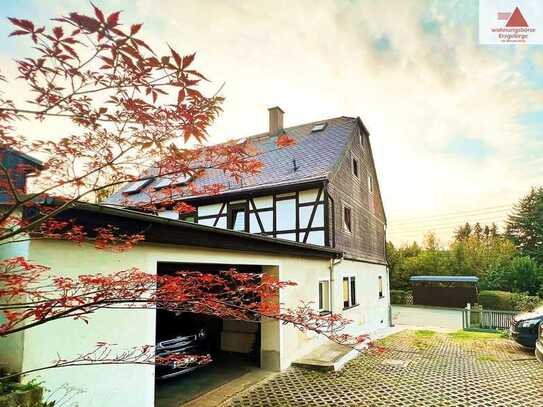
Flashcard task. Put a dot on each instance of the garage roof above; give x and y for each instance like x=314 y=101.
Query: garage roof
x=163 y=230
x=445 y=279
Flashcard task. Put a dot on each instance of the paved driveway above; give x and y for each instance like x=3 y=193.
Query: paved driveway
x=417 y=368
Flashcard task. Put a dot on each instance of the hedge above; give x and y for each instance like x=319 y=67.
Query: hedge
x=400 y=297
x=507 y=301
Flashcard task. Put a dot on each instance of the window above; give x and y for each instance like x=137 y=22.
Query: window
x=362 y=141
x=381 y=287
x=324 y=296
x=168 y=182
x=236 y=217
x=318 y=127
x=347 y=219
x=355 y=167
x=370 y=184
x=137 y=186
x=188 y=217
x=349 y=292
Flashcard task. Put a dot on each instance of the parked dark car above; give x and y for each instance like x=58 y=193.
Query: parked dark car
x=539 y=344
x=525 y=327
x=191 y=343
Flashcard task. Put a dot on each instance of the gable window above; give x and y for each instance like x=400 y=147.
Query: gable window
x=362 y=142
x=381 y=287
x=324 y=296
x=355 y=167
x=370 y=184
x=236 y=217
x=347 y=219
x=349 y=292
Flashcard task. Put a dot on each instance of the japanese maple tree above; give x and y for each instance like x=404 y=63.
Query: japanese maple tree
x=132 y=113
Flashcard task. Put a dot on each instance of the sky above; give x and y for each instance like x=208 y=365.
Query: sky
x=456 y=127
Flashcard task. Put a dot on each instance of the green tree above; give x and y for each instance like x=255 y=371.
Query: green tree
x=525 y=225
x=462 y=232
x=524 y=275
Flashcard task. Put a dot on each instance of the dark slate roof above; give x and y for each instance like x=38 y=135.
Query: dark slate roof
x=316 y=155
x=445 y=279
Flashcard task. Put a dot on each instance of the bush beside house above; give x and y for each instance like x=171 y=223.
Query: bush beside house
x=507 y=301
x=13 y=394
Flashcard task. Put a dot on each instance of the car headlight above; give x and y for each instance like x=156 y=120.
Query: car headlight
x=529 y=323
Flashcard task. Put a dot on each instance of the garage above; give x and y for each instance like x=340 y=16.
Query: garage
x=233 y=345
x=170 y=246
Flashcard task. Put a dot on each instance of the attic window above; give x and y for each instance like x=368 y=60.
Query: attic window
x=355 y=167
x=318 y=127
x=137 y=186
x=166 y=182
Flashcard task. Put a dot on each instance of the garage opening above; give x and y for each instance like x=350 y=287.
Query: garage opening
x=233 y=345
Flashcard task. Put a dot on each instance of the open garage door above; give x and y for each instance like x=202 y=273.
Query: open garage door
x=233 y=345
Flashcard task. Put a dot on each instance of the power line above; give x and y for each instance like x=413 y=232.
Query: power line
x=454 y=221
x=455 y=213
x=442 y=225
x=461 y=218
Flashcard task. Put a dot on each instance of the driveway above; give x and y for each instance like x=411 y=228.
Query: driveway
x=415 y=368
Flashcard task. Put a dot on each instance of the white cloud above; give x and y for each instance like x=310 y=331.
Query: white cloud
x=317 y=60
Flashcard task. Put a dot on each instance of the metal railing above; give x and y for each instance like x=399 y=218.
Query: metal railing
x=479 y=318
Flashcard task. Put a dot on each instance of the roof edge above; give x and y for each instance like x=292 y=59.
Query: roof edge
x=135 y=215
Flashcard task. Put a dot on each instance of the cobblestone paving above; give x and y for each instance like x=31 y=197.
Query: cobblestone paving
x=415 y=369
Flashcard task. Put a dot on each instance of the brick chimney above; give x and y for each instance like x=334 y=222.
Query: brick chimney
x=276 y=120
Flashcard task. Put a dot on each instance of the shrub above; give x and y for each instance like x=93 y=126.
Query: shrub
x=401 y=297
x=507 y=301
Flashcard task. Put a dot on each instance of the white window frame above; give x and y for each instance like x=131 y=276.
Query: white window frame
x=350 y=294
x=345 y=228
x=326 y=307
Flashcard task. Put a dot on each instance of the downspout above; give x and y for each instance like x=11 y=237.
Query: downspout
x=390 y=324
x=331 y=294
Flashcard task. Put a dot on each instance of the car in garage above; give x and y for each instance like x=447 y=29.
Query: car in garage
x=182 y=334
x=526 y=326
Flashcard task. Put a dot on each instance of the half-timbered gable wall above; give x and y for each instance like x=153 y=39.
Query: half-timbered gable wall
x=295 y=215
x=354 y=186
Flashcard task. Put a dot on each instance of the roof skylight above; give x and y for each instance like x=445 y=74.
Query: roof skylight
x=137 y=186
x=167 y=182
x=319 y=127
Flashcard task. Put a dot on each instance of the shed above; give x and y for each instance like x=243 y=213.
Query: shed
x=445 y=291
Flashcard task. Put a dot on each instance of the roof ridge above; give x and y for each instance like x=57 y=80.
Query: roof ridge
x=267 y=134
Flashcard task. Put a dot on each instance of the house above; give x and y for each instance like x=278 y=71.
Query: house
x=323 y=190
x=314 y=216
x=20 y=167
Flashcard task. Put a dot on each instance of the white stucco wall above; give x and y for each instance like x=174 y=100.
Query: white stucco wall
x=12 y=346
x=105 y=386
x=431 y=317
x=372 y=312
x=113 y=386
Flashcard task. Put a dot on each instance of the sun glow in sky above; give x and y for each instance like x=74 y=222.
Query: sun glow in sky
x=456 y=127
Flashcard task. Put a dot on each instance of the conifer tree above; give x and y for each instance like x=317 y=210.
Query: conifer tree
x=525 y=225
